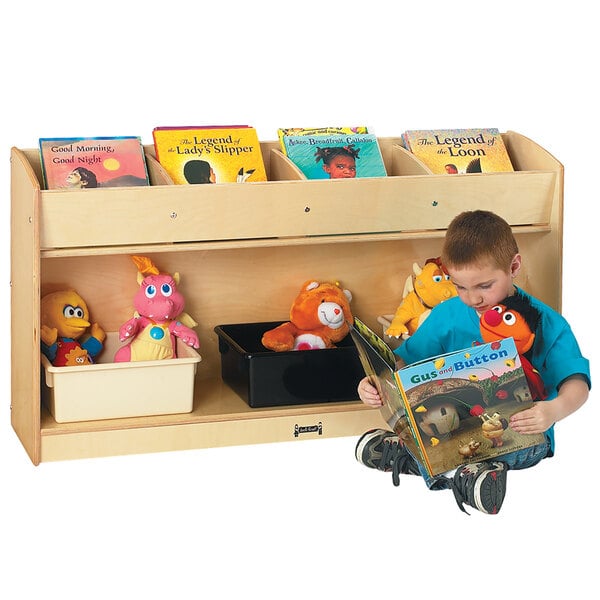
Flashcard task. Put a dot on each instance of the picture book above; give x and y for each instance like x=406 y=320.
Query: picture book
x=336 y=156
x=454 y=151
x=281 y=132
x=210 y=154
x=451 y=409
x=84 y=163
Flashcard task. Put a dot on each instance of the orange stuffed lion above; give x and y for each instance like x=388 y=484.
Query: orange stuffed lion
x=319 y=317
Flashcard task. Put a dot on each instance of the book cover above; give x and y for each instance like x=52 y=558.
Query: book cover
x=212 y=154
x=336 y=156
x=282 y=131
x=379 y=364
x=453 y=409
x=90 y=162
x=454 y=151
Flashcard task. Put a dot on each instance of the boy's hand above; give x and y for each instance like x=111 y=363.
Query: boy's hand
x=368 y=393
x=572 y=395
x=536 y=419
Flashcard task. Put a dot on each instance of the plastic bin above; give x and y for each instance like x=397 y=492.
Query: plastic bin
x=266 y=378
x=109 y=390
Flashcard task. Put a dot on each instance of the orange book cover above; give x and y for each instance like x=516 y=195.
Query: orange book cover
x=455 y=151
x=219 y=154
x=90 y=162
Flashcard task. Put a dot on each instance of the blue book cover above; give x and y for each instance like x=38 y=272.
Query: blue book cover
x=458 y=406
x=336 y=156
x=452 y=409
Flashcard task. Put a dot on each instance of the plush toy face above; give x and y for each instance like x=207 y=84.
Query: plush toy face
x=67 y=312
x=321 y=305
x=158 y=297
x=432 y=285
x=499 y=323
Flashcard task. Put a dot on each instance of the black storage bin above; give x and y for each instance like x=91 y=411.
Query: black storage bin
x=266 y=378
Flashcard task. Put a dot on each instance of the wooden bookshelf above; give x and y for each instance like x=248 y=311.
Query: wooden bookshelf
x=242 y=251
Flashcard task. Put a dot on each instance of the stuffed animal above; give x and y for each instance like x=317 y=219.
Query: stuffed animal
x=515 y=317
x=67 y=336
x=319 y=317
x=427 y=288
x=159 y=318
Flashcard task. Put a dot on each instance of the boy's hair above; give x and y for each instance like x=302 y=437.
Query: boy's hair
x=479 y=236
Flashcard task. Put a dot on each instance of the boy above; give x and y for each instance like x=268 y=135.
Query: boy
x=482 y=258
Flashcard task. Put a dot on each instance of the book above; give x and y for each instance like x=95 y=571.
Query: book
x=90 y=162
x=454 y=151
x=451 y=409
x=282 y=132
x=210 y=154
x=336 y=156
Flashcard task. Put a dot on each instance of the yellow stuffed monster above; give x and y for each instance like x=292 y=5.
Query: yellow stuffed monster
x=319 y=318
x=427 y=288
x=68 y=337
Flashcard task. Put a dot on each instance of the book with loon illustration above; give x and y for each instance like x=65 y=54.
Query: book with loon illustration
x=459 y=151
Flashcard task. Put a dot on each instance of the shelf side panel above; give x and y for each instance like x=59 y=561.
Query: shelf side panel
x=25 y=307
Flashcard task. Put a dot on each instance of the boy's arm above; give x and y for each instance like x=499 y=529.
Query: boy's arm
x=572 y=394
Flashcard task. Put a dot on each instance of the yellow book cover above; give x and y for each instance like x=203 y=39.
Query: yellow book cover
x=287 y=131
x=454 y=151
x=215 y=154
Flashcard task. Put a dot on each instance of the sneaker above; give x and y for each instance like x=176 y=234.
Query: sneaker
x=480 y=485
x=381 y=449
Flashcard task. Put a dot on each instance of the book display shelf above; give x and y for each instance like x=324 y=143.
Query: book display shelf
x=242 y=251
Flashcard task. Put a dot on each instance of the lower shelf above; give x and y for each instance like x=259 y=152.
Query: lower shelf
x=219 y=418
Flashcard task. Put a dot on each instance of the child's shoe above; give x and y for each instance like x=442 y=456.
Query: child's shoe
x=480 y=485
x=381 y=449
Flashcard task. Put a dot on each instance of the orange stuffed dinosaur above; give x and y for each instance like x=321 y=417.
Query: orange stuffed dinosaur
x=319 y=318
x=428 y=287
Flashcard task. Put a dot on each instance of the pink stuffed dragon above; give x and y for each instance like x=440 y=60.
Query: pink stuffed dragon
x=159 y=318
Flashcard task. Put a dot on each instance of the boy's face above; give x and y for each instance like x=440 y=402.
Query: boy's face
x=482 y=286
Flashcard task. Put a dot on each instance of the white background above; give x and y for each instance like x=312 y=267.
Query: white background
x=301 y=520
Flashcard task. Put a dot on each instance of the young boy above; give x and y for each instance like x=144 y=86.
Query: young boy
x=481 y=256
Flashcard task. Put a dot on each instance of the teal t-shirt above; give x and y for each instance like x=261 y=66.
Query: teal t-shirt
x=452 y=325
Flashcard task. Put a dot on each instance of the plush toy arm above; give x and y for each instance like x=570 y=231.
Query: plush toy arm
x=97 y=332
x=185 y=334
x=129 y=328
x=397 y=328
x=281 y=338
x=409 y=309
x=402 y=316
x=49 y=335
x=93 y=345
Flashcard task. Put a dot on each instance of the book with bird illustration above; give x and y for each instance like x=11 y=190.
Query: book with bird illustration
x=336 y=156
x=282 y=132
x=451 y=409
x=93 y=162
x=210 y=154
x=456 y=151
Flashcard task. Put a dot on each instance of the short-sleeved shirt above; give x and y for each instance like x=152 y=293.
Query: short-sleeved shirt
x=452 y=325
